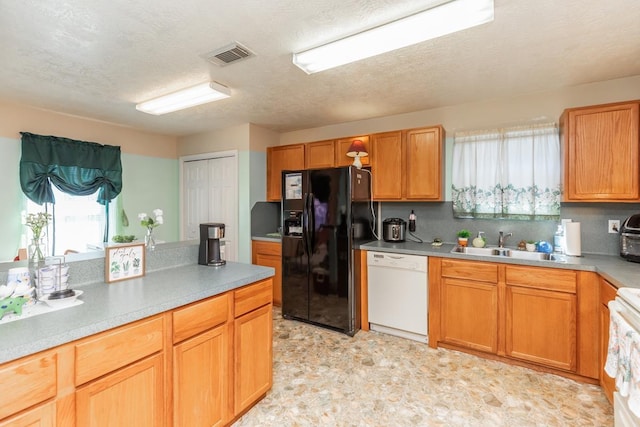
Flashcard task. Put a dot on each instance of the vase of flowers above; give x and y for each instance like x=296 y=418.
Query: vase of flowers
x=150 y=223
x=37 y=249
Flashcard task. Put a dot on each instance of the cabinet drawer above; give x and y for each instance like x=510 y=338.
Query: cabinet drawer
x=267 y=248
x=114 y=349
x=253 y=296
x=542 y=278
x=26 y=382
x=471 y=270
x=199 y=317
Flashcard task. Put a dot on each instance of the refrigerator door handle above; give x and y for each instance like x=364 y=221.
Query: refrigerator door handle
x=305 y=224
x=312 y=222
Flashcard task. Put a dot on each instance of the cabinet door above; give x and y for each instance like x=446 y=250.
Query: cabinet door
x=387 y=165
x=469 y=314
x=274 y=261
x=424 y=160
x=131 y=396
x=41 y=416
x=319 y=155
x=541 y=327
x=253 y=357
x=284 y=157
x=200 y=379
x=342 y=147
x=601 y=153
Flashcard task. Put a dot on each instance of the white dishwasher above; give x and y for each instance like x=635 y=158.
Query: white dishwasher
x=397 y=289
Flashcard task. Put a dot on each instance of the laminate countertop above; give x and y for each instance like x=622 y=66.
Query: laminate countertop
x=106 y=306
x=616 y=270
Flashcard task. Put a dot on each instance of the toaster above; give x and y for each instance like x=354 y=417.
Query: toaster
x=630 y=238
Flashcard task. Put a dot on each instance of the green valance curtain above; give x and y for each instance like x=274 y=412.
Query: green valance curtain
x=74 y=167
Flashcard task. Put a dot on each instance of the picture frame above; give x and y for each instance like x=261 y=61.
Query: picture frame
x=124 y=262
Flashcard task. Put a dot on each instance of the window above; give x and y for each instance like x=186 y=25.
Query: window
x=511 y=173
x=79 y=222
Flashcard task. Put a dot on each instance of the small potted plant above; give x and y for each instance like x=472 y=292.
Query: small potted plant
x=531 y=245
x=463 y=237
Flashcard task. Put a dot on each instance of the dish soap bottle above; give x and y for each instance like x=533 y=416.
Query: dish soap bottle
x=479 y=241
x=558 y=240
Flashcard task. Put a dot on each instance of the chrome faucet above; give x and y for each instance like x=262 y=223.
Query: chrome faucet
x=502 y=237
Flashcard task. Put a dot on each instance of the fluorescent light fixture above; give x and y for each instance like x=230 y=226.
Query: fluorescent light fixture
x=435 y=22
x=185 y=98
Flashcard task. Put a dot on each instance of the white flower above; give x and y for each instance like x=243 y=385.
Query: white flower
x=142 y=216
x=159 y=219
x=157 y=212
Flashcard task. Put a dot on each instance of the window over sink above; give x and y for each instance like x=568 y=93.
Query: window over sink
x=508 y=173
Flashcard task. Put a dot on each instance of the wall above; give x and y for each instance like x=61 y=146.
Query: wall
x=149 y=164
x=537 y=107
x=251 y=142
x=436 y=219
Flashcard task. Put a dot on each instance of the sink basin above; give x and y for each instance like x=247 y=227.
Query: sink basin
x=506 y=253
x=490 y=251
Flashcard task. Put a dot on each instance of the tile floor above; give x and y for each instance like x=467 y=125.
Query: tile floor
x=324 y=378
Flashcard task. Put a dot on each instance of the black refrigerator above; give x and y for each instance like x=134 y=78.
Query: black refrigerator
x=324 y=212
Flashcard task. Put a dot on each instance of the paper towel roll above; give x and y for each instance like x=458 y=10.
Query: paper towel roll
x=572 y=238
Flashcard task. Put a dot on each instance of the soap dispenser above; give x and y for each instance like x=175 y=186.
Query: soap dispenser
x=479 y=241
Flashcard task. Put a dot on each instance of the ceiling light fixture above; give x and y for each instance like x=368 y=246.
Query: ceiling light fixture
x=445 y=19
x=185 y=98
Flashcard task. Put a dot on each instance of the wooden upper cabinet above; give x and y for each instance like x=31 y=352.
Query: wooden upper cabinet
x=319 y=154
x=601 y=153
x=387 y=165
x=279 y=158
x=408 y=165
x=424 y=154
x=342 y=146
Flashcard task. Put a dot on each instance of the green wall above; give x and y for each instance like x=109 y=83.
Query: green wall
x=148 y=183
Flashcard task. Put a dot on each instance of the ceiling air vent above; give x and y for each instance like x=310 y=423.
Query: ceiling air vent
x=228 y=55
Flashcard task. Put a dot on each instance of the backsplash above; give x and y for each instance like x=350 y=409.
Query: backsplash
x=265 y=218
x=436 y=220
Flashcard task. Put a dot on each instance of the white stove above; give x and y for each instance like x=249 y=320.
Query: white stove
x=623 y=356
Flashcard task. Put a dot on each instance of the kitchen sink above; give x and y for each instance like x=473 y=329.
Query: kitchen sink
x=506 y=253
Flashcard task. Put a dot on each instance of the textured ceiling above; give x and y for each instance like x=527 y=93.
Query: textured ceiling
x=98 y=59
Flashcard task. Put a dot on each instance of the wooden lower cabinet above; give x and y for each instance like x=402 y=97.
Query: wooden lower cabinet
x=469 y=314
x=200 y=383
x=253 y=357
x=41 y=416
x=269 y=254
x=253 y=344
x=536 y=316
x=607 y=293
x=469 y=304
x=203 y=364
x=131 y=396
x=541 y=327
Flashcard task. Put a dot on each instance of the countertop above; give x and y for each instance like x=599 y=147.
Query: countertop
x=269 y=237
x=616 y=270
x=107 y=306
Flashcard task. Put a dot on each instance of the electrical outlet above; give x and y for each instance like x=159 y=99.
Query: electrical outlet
x=614 y=226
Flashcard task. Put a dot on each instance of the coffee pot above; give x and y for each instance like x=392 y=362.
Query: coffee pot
x=210 y=235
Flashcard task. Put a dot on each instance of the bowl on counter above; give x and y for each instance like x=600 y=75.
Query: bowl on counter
x=61 y=302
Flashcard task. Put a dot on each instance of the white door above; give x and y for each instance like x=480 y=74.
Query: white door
x=210 y=195
x=195 y=197
x=223 y=201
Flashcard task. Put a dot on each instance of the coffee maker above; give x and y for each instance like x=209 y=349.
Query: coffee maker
x=210 y=235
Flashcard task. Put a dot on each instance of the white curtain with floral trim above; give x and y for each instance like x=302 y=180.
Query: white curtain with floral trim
x=509 y=173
